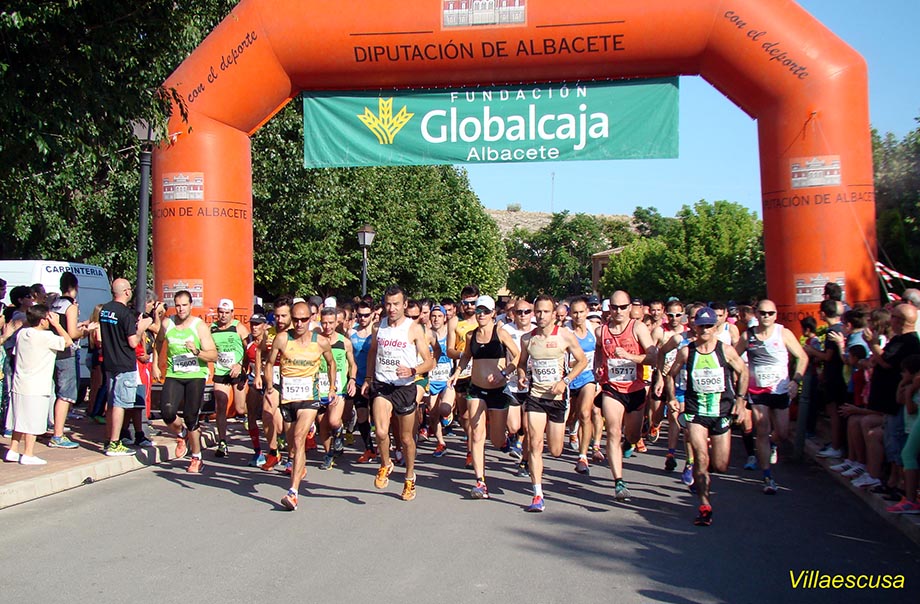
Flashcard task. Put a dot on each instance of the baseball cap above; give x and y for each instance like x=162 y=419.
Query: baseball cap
x=439 y=308
x=637 y=301
x=606 y=305
x=593 y=300
x=316 y=301
x=258 y=318
x=705 y=317
x=594 y=316
x=225 y=304
x=330 y=302
x=486 y=302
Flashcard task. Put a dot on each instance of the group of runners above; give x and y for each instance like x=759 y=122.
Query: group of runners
x=410 y=370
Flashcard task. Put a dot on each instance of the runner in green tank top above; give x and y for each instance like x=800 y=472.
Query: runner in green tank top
x=331 y=430
x=230 y=385
x=189 y=349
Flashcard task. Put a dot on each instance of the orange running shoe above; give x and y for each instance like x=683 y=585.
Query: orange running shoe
x=408 y=493
x=469 y=460
x=368 y=456
x=181 y=448
x=383 y=476
x=640 y=446
x=270 y=462
x=195 y=466
x=290 y=501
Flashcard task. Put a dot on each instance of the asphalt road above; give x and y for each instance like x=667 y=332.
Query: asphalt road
x=160 y=535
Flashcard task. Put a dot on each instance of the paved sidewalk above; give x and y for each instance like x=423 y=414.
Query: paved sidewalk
x=70 y=468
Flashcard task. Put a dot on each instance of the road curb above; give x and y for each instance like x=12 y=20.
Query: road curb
x=908 y=524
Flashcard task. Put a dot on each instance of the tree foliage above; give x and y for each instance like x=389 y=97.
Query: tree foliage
x=897 y=194
x=556 y=259
x=710 y=250
x=433 y=235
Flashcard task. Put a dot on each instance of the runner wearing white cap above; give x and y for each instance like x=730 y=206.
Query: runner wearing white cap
x=230 y=384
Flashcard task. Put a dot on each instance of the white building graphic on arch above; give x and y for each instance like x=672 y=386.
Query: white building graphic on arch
x=470 y=13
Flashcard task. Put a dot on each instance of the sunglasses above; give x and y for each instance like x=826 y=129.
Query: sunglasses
x=675 y=315
x=414 y=317
x=300 y=319
x=483 y=311
x=619 y=306
x=467 y=302
x=363 y=315
x=524 y=311
x=766 y=313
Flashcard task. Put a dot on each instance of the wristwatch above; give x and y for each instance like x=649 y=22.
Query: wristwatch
x=566 y=380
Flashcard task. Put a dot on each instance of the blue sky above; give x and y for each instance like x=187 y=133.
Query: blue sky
x=718 y=142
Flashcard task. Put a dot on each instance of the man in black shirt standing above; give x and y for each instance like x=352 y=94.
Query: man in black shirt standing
x=834 y=386
x=121 y=332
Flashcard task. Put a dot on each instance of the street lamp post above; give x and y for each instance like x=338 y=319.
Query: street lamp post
x=365 y=239
x=144 y=133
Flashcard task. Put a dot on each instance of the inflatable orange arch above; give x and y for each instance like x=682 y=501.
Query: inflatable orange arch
x=806 y=88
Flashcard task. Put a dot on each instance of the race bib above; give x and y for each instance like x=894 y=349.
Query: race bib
x=546 y=371
x=709 y=380
x=185 y=363
x=440 y=373
x=297 y=389
x=590 y=357
x=466 y=371
x=226 y=359
x=621 y=370
x=768 y=376
x=388 y=364
x=322 y=383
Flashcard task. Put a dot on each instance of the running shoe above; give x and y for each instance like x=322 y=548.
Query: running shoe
x=12 y=456
x=866 y=481
x=423 y=433
x=904 y=507
x=62 y=442
x=31 y=460
x=368 y=456
x=181 y=448
x=628 y=451
x=598 y=456
x=536 y=505
x=522 y=470
x=686 y=476
x=480 y=491
x=349 y=439
x=620 y=490
x=408 y=493
x=383 y=476
x=827 y=452
x=117 y=449
x=194 y=467
x=311 y=442
x=286 y=468
x=222 y=450
x=843 y=466
x=516 y=451
x=142 y=441
x=573 y=442
x=98 y=419
x=290 y=500
x=582 y=466
x=282 y=442
x=769 y=486
x=751 y=463
x=704 y=518
x=670 y=464
x=469 y=460
x=440 y=450
x=258 y=459
x=774 y=454
x=270 y=462
x=641 y=446
x=328 y=461
x=654 y=434
x=855 y=472
x=338 y=443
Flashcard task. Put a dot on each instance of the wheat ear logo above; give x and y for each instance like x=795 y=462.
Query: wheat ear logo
x=385 y=125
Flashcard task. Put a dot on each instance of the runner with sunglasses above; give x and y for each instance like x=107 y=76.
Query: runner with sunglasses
x=669 y=340
x=624 y=345
x=768 y=346
x=457 y=329
x=522 y=315
x=360 y=338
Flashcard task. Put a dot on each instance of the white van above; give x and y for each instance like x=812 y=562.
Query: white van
x=95 y=287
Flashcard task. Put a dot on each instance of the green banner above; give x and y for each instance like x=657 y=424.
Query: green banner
x=634 y=119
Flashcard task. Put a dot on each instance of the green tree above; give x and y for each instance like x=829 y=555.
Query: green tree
x=709 y=251
x=433 y=235
x=555 y=260
x=897 y=194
